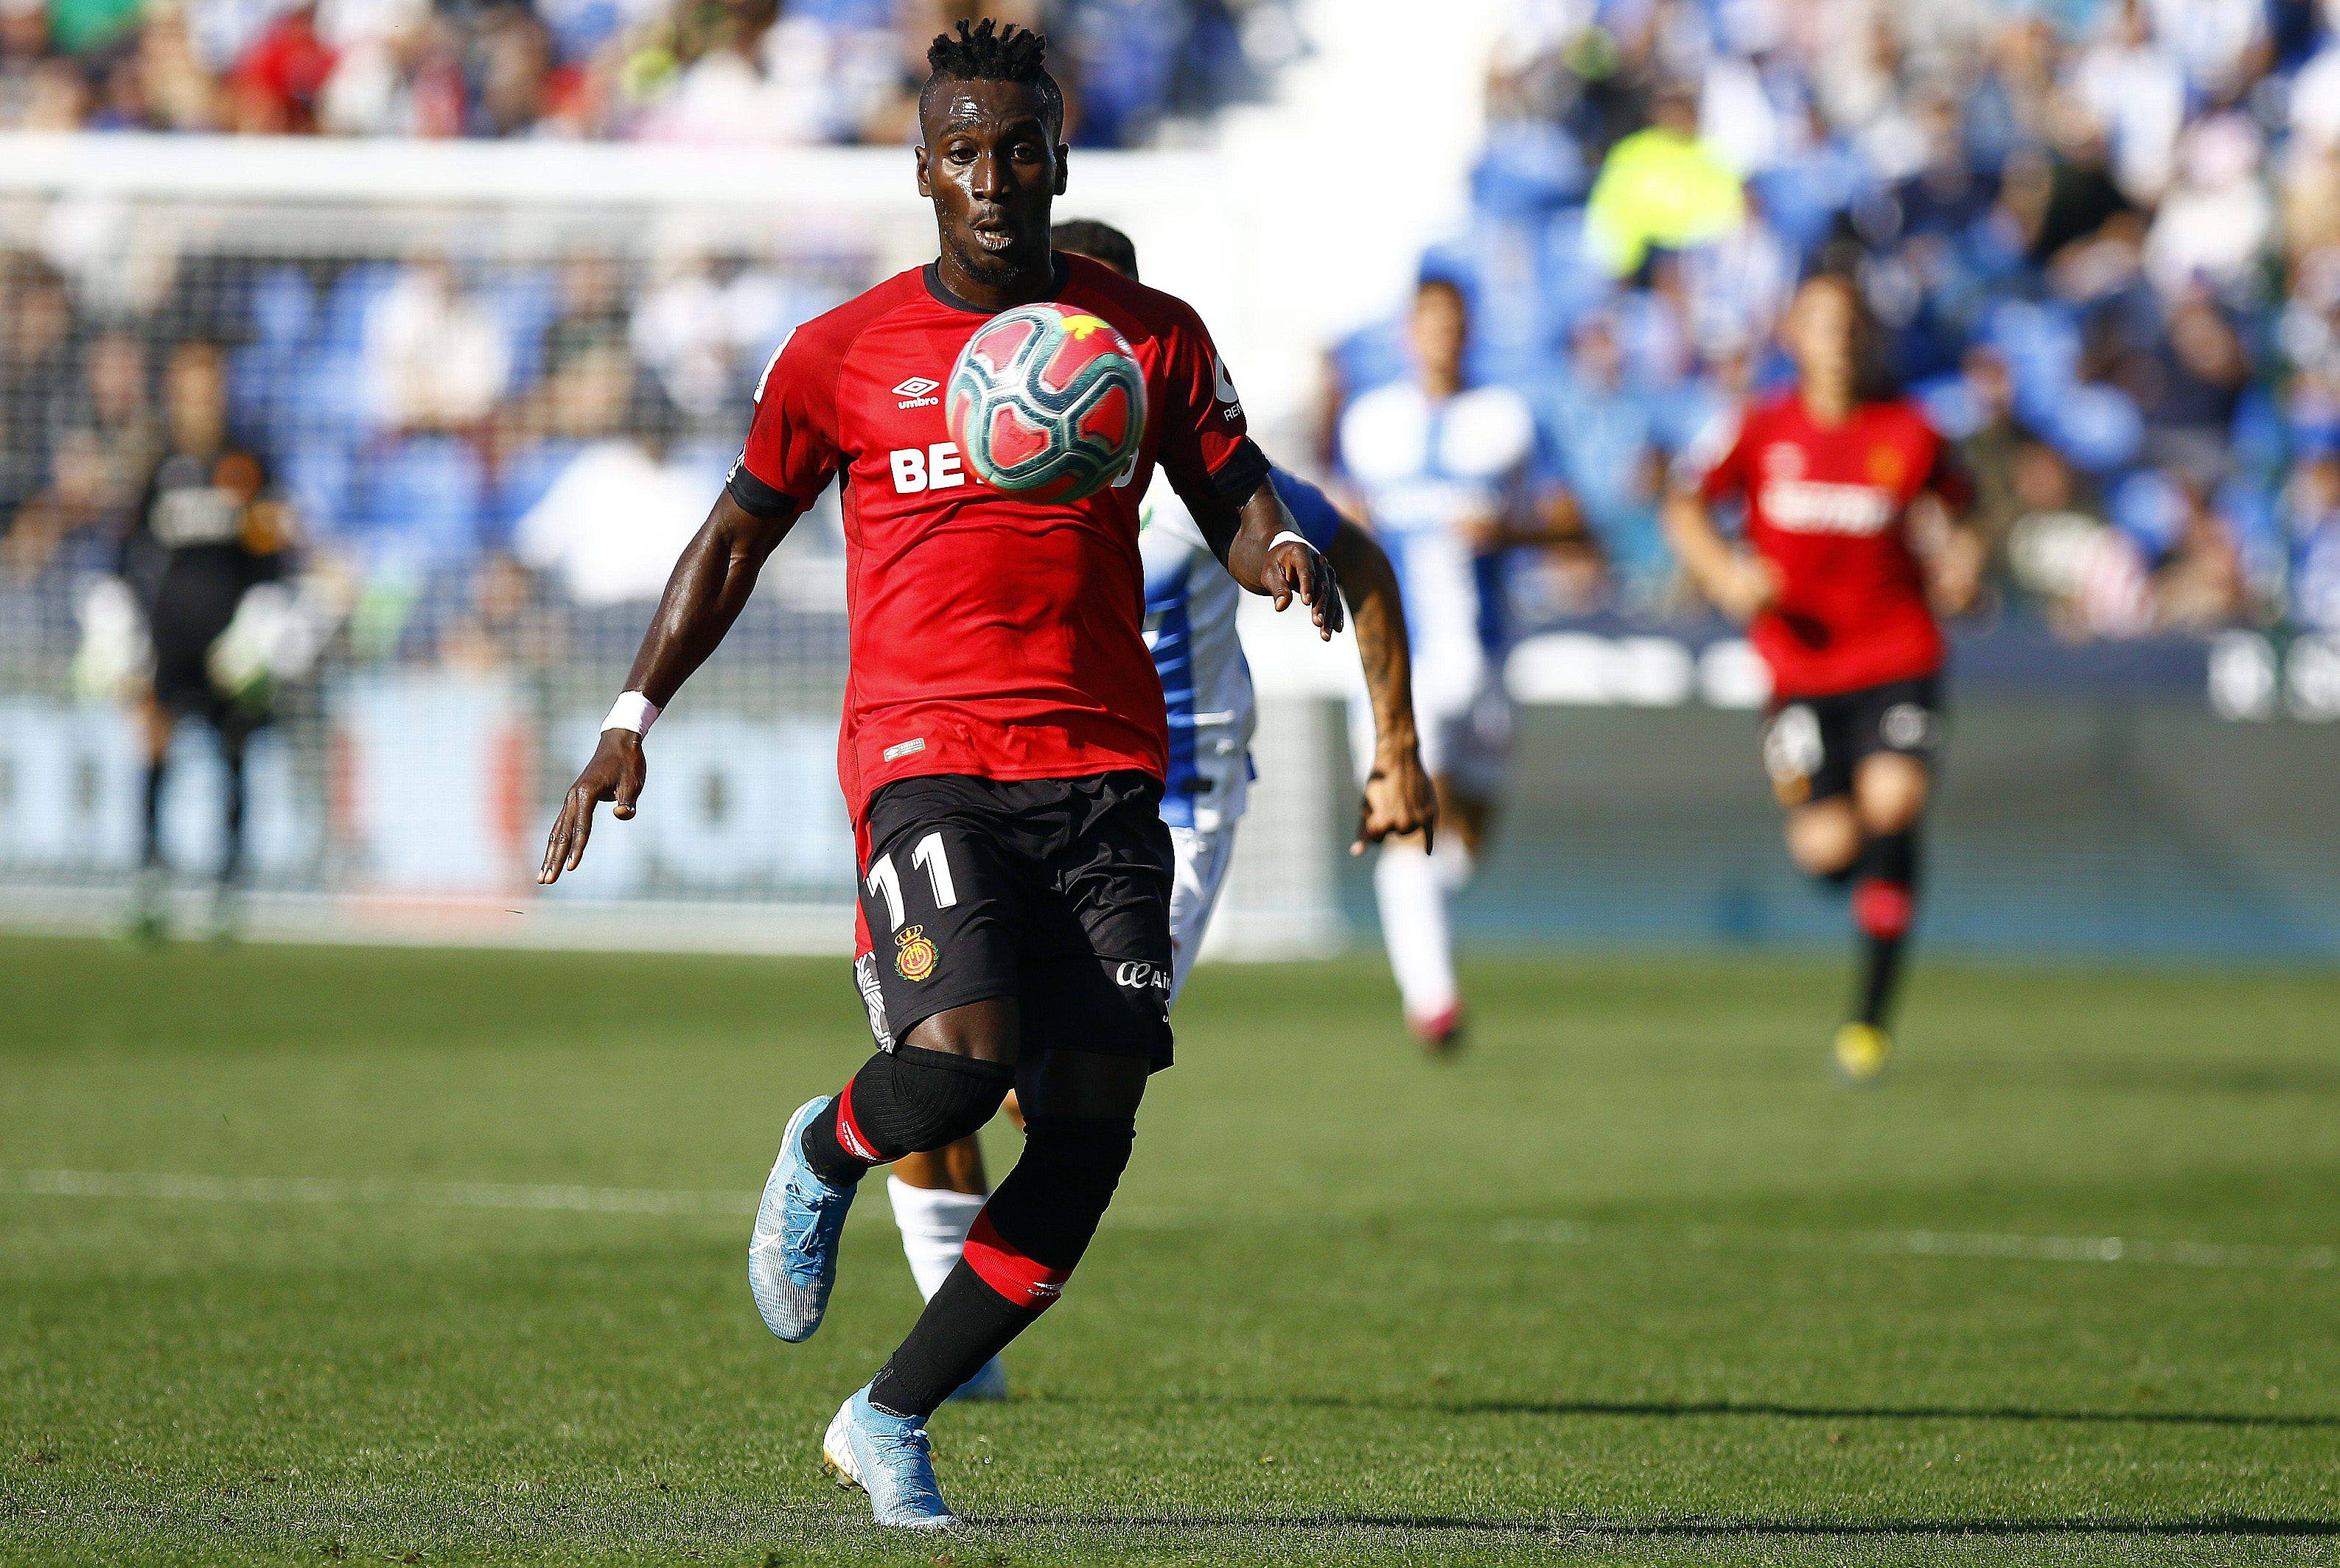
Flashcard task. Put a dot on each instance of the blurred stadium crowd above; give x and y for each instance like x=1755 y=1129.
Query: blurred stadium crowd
x=699 y=71
x=2104 y=238
x=2102 y=235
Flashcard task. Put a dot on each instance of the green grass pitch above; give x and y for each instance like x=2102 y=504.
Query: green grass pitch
x=310 y=1254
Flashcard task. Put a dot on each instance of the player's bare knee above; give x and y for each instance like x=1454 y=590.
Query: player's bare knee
x=1889 y=794
x=1824 y=839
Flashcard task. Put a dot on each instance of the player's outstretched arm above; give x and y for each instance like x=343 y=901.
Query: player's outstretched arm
x=1741 y=587
x=1246 y=540
x=1399 y=798
x=709 y=587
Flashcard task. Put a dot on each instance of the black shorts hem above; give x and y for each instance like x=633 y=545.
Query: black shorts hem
x=1813 y=745
x=932 y=1004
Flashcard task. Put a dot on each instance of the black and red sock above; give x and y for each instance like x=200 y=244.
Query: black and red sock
x=1884 y=907
x=1025 y=1245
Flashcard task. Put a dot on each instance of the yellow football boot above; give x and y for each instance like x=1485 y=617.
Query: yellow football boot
x=1862 y=1049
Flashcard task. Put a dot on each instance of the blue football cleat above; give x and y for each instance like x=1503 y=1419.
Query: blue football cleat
x=987 y=1386
x=792 y=1257
x=889 y=1457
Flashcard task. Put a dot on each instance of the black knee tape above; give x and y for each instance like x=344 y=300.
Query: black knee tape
x=1048 y=1208
x=909 y=1100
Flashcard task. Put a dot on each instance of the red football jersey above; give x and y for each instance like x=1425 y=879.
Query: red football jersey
x=991 y=634
x=1828 y=506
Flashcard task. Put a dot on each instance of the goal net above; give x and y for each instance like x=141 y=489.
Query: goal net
x=498 y=387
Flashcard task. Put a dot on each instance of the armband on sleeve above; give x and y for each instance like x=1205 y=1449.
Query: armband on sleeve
x=1244 y=471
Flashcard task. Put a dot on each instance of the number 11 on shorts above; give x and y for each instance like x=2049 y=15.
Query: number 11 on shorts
x=927 y=856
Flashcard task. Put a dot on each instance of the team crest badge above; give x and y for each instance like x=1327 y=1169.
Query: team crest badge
x=1886 y=466
x=913 y=955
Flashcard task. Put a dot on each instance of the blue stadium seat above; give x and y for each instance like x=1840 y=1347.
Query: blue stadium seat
x=423 y=504
x=524 y=301
x=1530 y=168
x=2253 y=509
x=527 y=473
x=2147 y=506
x=1950 y=401
x=317 y=471
x=1372 y=356
x=340 y=325
x=2099 y=427
x=284 y=311
x=1130 y=52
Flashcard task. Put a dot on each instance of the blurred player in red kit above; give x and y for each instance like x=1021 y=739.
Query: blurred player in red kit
x=1852 y=541
x=1002 y=747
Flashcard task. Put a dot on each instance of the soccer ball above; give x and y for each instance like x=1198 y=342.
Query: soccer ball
x=1046 y=402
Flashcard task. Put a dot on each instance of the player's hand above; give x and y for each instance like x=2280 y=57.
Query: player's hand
x=615 y=774
x=1399 y=800
x=1957 y=574
x=1752 y=587
x=1295 y=569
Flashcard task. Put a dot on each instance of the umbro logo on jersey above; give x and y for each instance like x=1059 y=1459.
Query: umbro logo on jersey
x=915 y=393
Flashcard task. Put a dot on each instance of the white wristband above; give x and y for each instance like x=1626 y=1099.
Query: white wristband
x=631 y=711
x=1288 y=537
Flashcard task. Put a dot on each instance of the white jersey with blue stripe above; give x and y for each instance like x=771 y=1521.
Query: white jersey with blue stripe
x=1428 y=469
x=1191 y=603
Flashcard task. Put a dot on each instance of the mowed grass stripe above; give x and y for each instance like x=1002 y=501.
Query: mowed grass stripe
x=162 y=1186
x=348 y=1255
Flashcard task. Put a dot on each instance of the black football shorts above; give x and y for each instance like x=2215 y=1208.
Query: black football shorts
x=1812 y=745
x=1056 y=892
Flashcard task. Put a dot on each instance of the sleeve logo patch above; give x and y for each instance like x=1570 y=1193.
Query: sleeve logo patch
x=913 y=955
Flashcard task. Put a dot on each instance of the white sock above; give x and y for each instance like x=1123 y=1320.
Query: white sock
x=1407 y=885
x=934 y=1224
x=1453 y=865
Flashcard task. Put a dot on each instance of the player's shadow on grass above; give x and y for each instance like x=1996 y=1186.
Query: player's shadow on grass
x=1655 y=1409
x=1578 y=1527
x=1675 y=1409
x=2131 y=1074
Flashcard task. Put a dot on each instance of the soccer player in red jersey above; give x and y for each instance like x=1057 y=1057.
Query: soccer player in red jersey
x=1838 y=600
x=1002 y=750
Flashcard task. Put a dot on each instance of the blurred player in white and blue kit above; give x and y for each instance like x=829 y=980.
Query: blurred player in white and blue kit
x=1190 y=626
x=1441 y=469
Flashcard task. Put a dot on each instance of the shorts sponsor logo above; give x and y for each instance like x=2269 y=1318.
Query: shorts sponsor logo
x=918 y=393
x=904 y=749
x=914 y=954
x=1140 y=975
x=1905 y=728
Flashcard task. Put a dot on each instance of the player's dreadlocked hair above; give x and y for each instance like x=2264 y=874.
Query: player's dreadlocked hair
x=990 y=51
